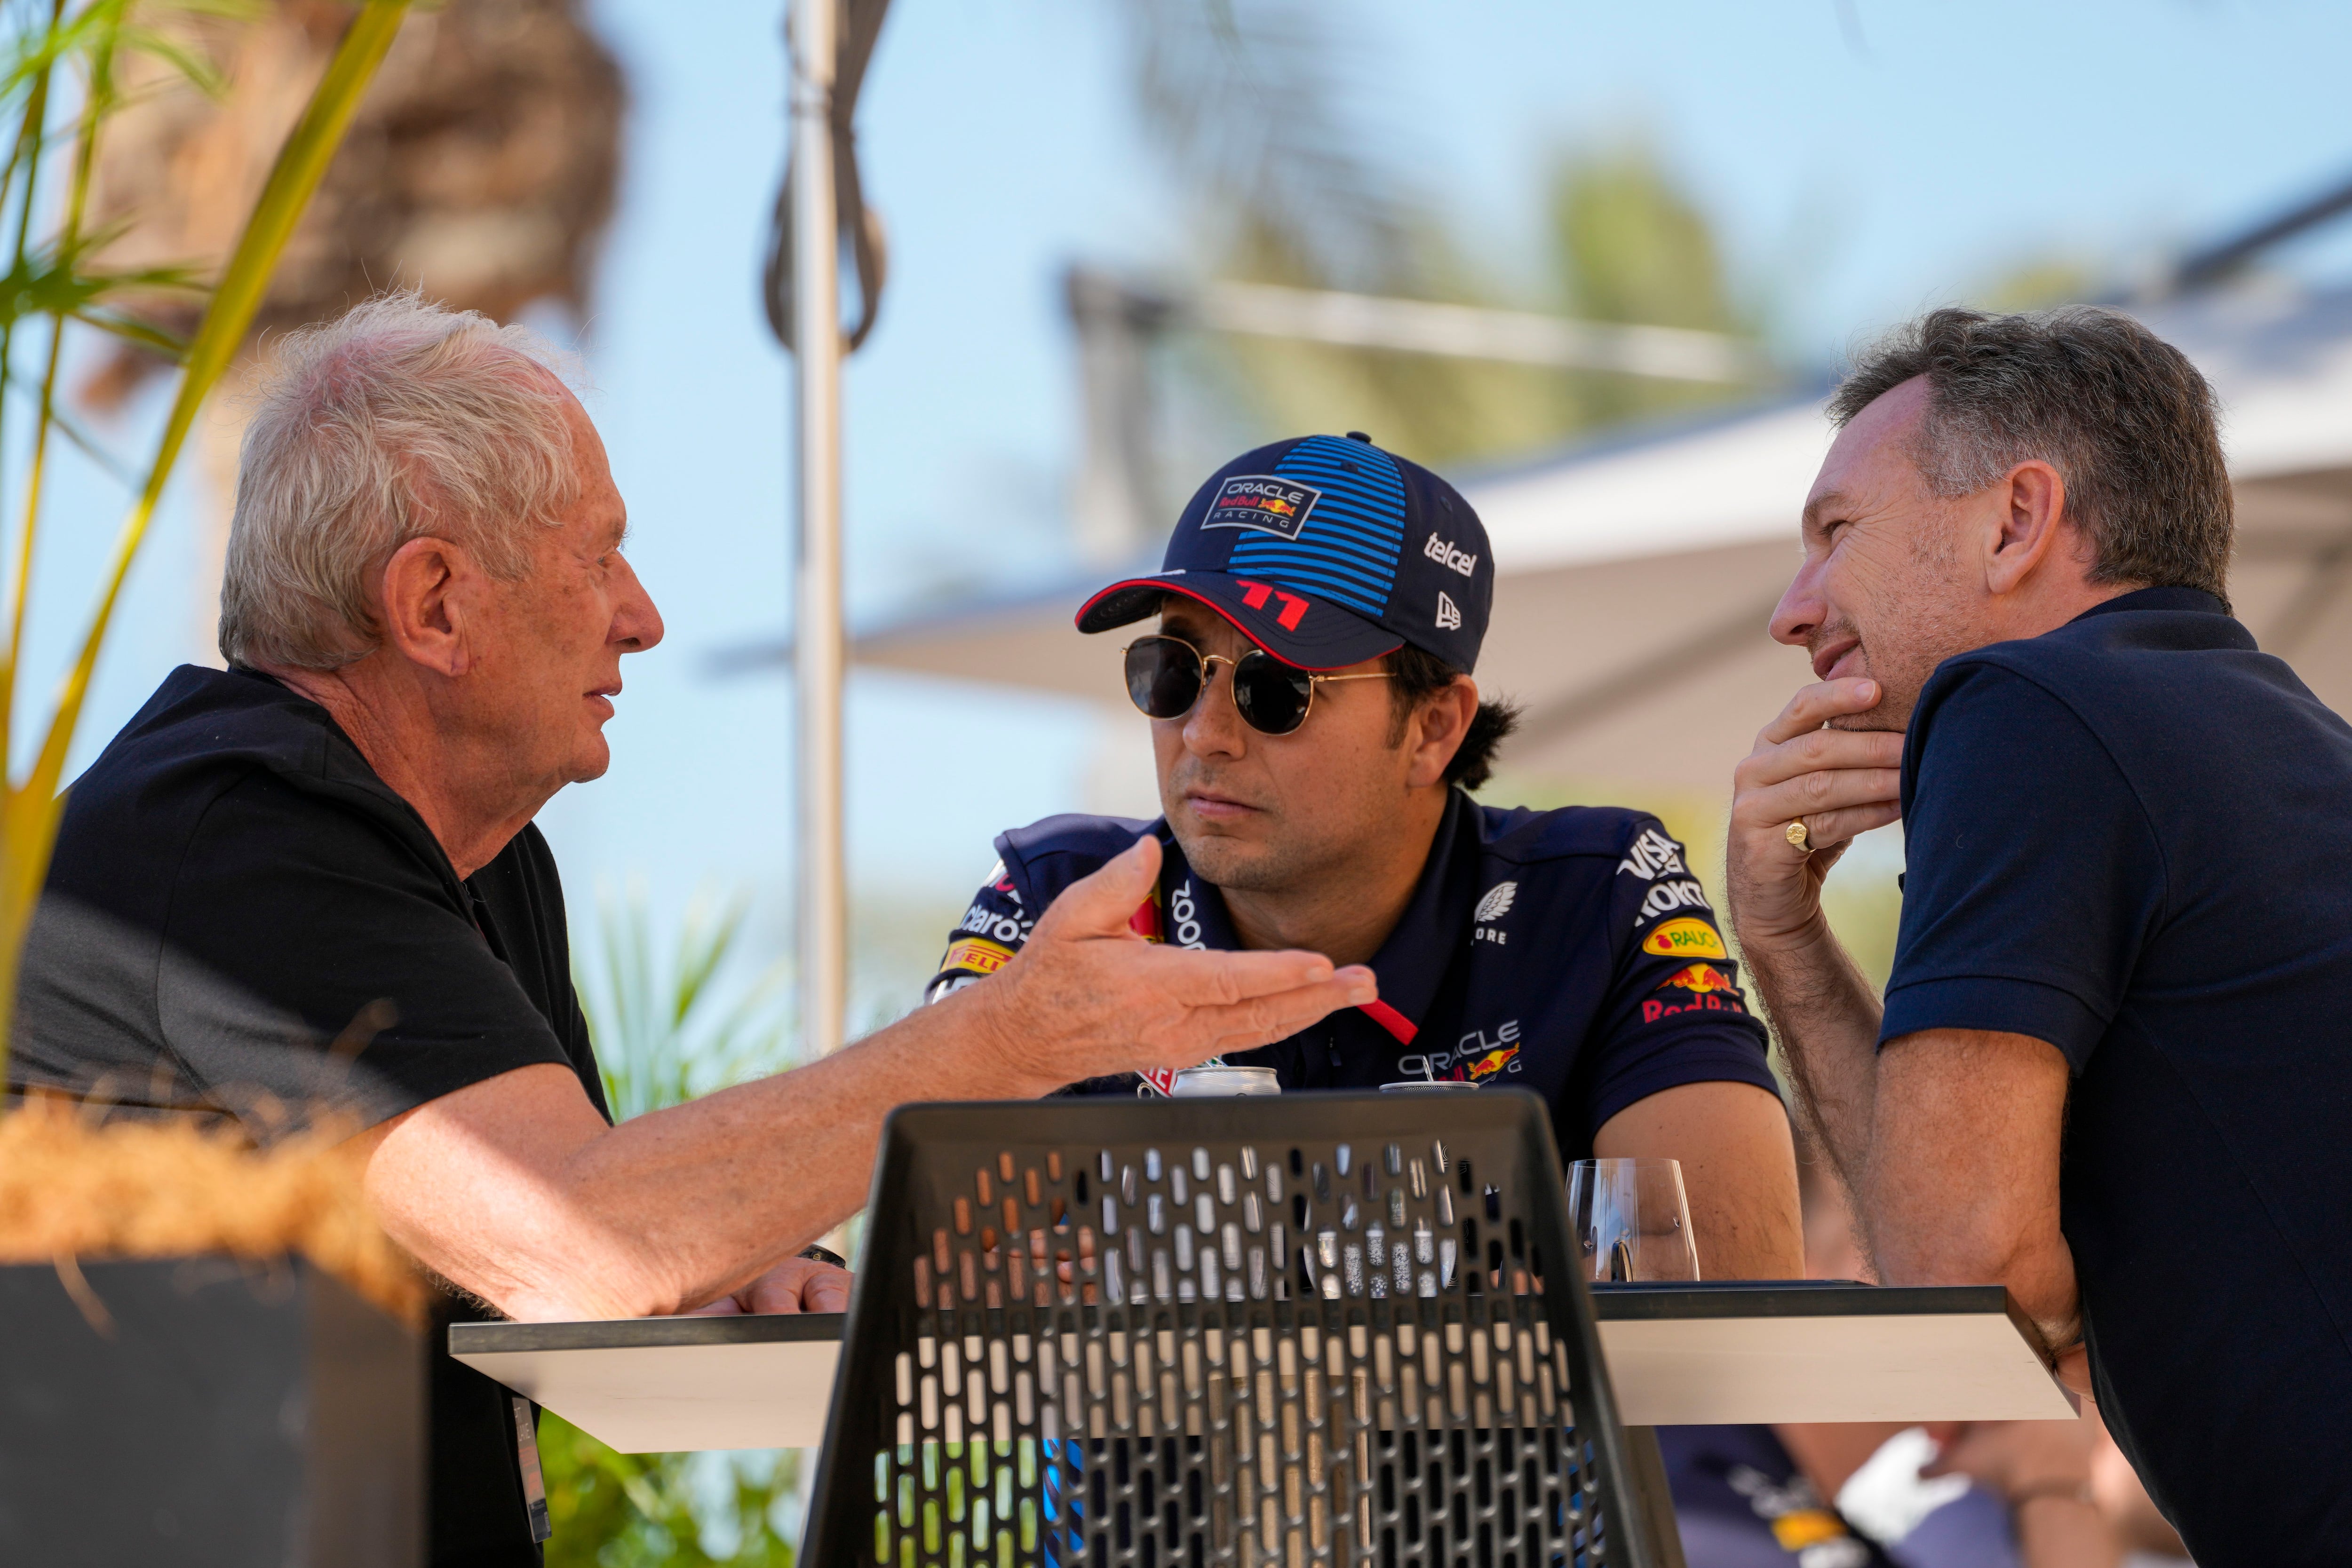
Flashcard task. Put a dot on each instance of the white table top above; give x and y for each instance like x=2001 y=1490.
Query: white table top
x=1678 y=1354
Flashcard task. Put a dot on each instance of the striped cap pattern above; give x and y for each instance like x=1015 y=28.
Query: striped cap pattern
x=1349 y=549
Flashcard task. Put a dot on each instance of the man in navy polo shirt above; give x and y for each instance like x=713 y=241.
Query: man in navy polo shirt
x=1316 y=731
x=2111 y=1068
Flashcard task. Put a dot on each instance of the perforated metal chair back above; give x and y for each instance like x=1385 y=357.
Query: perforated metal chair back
x=1266 y=1332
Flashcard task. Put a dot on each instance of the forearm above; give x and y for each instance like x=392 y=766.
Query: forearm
x=1739 y=1173
x=1824 y=1014
x=2060 y=1530
x=674 y=1208
x=1963 y=1187
x=517 y=1189
x=779 y=1162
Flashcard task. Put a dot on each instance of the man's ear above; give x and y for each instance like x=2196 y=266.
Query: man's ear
x=1438 y=729
x=429 y=586
x=2031 y=524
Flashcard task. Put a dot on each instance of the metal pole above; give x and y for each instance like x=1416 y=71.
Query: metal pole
x=817 y=331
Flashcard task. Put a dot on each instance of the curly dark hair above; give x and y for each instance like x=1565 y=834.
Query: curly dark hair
x=1420 y=674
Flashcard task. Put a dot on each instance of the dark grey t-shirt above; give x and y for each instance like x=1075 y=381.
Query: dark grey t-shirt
x=242 y=920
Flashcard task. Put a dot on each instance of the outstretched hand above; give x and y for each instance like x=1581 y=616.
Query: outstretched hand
x=795 y=1285
x=1089 y=995
x=1840 y=783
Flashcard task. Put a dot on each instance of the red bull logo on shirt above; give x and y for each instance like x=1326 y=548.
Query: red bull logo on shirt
x=1704 y=988
x=1502 y=1059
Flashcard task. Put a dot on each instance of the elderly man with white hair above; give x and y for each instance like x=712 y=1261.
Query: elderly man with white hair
x=308 y=883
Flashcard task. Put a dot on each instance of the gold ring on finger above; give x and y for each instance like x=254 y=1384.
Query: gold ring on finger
x=1797 y=836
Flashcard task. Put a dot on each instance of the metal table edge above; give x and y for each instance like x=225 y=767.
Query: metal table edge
x=1611 y=1304
x=1794 y=1299
x=644 y=1334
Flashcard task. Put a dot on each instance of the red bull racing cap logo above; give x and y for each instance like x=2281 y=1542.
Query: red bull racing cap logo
x=1262 y=501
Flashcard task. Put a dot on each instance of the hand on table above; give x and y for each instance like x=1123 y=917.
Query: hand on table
x=1088 y=995
x=795 y=1285
x=1839 y=782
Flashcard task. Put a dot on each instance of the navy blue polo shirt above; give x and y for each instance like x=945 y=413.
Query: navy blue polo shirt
x=2132 y=838
x=1569 y=952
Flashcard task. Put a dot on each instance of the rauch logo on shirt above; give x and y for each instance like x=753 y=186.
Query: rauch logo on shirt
x=1685 y=938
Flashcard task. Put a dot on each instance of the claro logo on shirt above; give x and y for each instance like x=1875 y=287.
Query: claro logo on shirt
x=983 y=920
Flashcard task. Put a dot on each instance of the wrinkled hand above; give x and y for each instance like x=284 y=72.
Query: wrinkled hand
x=795 y=1285
x=1089 y=996
x=2007 y=1458
x=1840 y=783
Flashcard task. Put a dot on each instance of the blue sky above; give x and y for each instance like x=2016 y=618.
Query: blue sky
x=1864 y=167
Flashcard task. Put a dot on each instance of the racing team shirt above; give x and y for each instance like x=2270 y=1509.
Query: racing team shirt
x=1569 y=952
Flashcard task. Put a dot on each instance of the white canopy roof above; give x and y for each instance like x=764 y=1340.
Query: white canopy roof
x=1635 y=577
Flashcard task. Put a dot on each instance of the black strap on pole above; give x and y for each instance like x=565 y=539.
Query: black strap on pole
x=861 y=229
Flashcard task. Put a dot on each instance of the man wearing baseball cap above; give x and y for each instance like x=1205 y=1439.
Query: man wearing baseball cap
x=1317 y=731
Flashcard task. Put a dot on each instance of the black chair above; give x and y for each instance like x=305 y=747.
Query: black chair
x=1330 y=1328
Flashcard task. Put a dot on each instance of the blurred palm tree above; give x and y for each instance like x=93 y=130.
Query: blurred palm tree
x=482 y=168
x=1268 y=112
x=1628 y=244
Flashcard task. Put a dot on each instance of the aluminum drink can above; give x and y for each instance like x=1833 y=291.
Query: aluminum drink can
x=1217 y=1081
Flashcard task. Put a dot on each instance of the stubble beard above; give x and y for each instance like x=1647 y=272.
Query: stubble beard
x=1231 y=863
x=1268 y=862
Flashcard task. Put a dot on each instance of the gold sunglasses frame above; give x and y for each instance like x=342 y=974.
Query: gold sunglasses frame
x=1209 y=678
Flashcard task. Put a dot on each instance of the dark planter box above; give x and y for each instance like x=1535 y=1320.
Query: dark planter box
x=237 y=1416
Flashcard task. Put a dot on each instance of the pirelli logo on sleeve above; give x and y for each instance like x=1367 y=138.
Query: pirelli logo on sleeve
x=976 y=956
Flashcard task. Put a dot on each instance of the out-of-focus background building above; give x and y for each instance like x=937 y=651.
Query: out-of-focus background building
x=1597 y=264
x=1109 y=226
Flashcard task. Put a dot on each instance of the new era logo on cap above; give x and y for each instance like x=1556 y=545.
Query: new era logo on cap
x=1325 y=552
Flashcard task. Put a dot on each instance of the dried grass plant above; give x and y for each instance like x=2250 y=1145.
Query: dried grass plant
x=75 y=1186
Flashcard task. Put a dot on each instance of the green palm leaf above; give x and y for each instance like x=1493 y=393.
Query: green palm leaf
x=96 y=35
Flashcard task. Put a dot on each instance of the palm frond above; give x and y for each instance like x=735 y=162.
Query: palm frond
x=1253 y=106
x=672 y=1026
x=93 y=35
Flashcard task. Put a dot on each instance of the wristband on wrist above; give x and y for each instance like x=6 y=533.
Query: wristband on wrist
x=824 y=1254
x=2072 y=1492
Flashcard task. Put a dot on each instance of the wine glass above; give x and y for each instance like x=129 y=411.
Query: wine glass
x=1632 y=1219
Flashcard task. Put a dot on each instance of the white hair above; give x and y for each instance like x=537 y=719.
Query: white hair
x=398 y=420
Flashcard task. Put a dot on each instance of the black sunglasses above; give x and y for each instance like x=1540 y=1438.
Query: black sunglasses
x=1165 y=676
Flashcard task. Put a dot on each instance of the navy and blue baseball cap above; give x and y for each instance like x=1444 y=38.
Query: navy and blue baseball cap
x=1325 y=551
